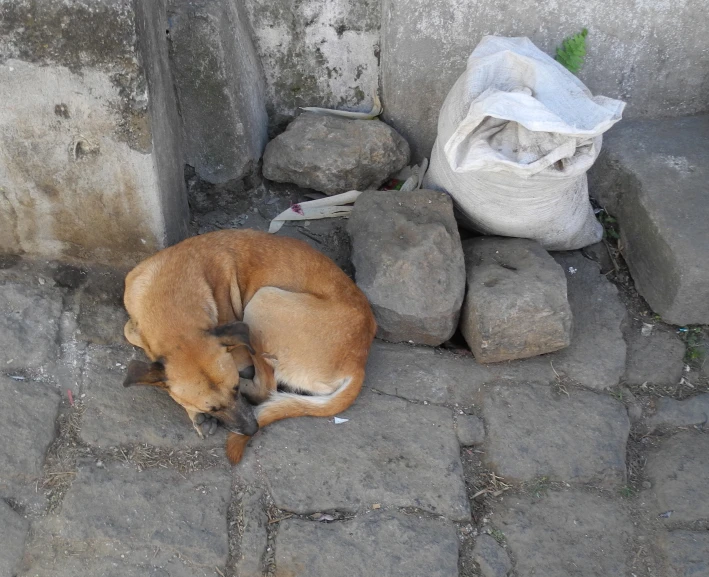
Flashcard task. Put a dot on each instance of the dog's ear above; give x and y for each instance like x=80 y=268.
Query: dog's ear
x=233 y=335
x=270 y=359
x=140 y=373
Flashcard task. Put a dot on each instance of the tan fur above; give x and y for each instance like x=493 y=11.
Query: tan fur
x=310 y=326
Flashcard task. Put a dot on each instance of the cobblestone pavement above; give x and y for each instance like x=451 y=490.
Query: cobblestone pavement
x=549 y=466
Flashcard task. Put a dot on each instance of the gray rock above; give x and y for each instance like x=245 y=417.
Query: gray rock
x=568 y=533
x=673 y=413
x=13 y=532
x=333 y=154
x=596 y=356
x=652 y=175
x=254 y=537
x=29 y=324
x=679 y=473
x=115 y=415
x=154 y=508
x=220 y=88
x=533 y=432
x=378 y=543
x=516 y=304
x=390 y=452
x=27 y=423
x=409 y=262
x=656 y=359
x=491 y=557
x=470 y=430
x=687 y=553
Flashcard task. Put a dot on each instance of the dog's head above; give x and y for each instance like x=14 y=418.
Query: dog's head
x=201 y=375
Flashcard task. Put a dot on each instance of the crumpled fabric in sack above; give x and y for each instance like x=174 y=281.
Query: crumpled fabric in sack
x=516 y=135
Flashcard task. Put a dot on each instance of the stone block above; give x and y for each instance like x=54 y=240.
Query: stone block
x=679 y=474
x=220 y=88
x=492 y=559
x=409 y=262
x=656 y=359
x=652 y=175
x=93 y=167
x=534 y=432
x=254 y=537
x=315 y=465
x=568 y=533
x=378 y=543
x=686 y=552
x=516 y=304
x=13 y=532
x=332 y=154
x=687 y=413
x=422 y=57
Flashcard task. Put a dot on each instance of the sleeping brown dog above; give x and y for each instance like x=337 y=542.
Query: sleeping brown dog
x=244 y=301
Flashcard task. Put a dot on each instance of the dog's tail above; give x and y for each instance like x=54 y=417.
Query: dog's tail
x=286 y=405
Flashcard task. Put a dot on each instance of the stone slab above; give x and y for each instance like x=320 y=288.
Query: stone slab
x=673 y=413
x=390 y=452
x=115 y=415
x=656 y=359
x=569 y=533
x=378 y=543
x=535 y=432
x=679 y=473
x=516 y=304
x=27 y=424
x=687 y=553
x=597 y=354
x=29 y=325
x=13 y=532
x=652 y=175
x=492 y=559
x=254 y=536
x=409 y=262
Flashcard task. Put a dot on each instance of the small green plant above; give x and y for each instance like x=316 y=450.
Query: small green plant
x=627 y=492
x=617 y=394
x=572 y=52
x=693 y=339
x=497 y=535
x=610 y=225
x=539 y=486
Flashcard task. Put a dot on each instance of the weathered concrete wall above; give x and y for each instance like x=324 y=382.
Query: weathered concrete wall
x=90 y=159
x=316 y=53
x=220 y=88
x=651 y=53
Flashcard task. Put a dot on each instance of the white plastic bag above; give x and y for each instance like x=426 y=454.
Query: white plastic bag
x=516 y=135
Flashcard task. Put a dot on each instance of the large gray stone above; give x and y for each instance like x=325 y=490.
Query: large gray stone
x=491 y=557
x=378 y=543
x=656 y=359
x=220 y=88
x=29 y=325
x=390 y=452
x=422 y=57
x=653 y=176
x=409 y=262
x=115 y=415
x=568 y=533
x=673 y=413
x=27 y=425
x=13 y=532
x=333 y=154
x=679 y=474
x=516 y=304
x=596 y=356
x=316 y=53
x=687 y=553
x=534 y=432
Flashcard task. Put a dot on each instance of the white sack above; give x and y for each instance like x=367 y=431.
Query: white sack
x=516 y=135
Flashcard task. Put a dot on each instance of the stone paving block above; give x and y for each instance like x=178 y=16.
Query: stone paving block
x=516 y=304
x=377 y=543
x=656 y=359
x=152 y=508
x=535 y=432
x=687 y=553
x=470 y=430
x=13 y=532
x=596 y=356
x=652 y=175
x=115 y=415
x=568 y=533
x=29 y=325
x=679 y=473
x=390 y=452
x=491 y=557
x=27 y=427
x=254 y=538
x=409 y=262
x=673 y=413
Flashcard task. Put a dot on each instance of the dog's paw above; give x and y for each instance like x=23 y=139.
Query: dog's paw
x=205 y=425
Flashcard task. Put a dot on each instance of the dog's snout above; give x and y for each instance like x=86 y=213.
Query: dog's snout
x=247 y=373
